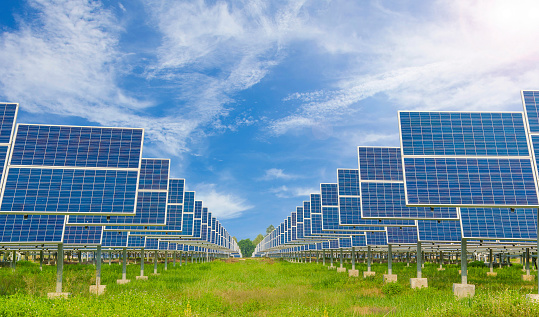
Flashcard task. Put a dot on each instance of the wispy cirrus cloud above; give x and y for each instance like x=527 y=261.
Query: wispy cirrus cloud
x=293 y=192
x=221 y=205
x=276 y=173
x=446 y=55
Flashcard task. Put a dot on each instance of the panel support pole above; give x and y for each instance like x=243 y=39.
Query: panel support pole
x=389 y=260
x=59 y=268
x=98 y=267
x=353 y=256
x=124 y=264
x=418 y=258
x=369 y=258
x=464 y=262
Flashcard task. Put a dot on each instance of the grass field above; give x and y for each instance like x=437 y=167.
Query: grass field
x=262 y=288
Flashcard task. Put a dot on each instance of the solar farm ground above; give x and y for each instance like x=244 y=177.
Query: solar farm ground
x=258 y=287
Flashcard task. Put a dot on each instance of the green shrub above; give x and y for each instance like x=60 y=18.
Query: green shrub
x=391 y=289
x=477 y=264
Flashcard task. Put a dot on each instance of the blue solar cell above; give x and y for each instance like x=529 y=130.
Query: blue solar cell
x=315 y=204
x=333 y=244
x=294 y=219
x=299 y=212
x=114 y=239
x=8 y=114
x=307 y=209
x=189 y=202
x=470 y=182
x=463 y=133
x=359 y=240
x=205 y=215
x=43 y=145
x=499 y=223
x=530 y=100
x=69 y=191
x=83 y=235
x=387 y=200
x=300 y=231
x=33 y=229
x=348 y=182
x=439 y=231
x=350 y=215
x=345 y=242
x=330 y=194
x=404 y=235
x=151 y=244
x=154 y=174
x=198 y=209
x=175 y=191
x=376 y=238
x=135 y=242
x=380 y=163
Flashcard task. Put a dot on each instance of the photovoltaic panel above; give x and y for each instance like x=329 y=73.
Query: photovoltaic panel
x=72 y=170
x=8 y=116
x=151 y=200
x=35 y=229
x=135 y=242
x=530 y=100
x=383 y=191
x=376 y=238
x=359 y=240
x=329 y=194
x=499 y=223
x=114 y=239
x=402 y=235
x=83 y=235
x=350 y=215
x=345 y=242
x=467 y=159
x=334 y=244
x=348 y=182
x=151 y=244
x=439 y=231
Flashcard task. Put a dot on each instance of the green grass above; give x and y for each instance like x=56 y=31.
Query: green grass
x=262 y=288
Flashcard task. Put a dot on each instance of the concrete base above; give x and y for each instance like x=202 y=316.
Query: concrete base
x=441 y=269
x=353 y=273
x=58 y=295
x=533 y=297
x=144 y=278
x=528 y=278
x=368 y=274
x=492 y=274
x=463 y=290
x=390 y=278
x=331 y=267
x=341 y=269
x=419 y=282
x=97 y=291
x=123 y=281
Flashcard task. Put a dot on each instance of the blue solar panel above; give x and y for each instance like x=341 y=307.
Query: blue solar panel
x=135 y=242
x=380 y=163
x=345 y=242
x=299 y=214
x=348 y=182
x=151 y=244
x=376 y=238
x=359 y=240
x=499 y=223
x=470 y=182
x=334 y=244
x=154 y=174
x=467 y=159
x=330 y=194
x=404 y=235
x=114 y=239
x=8 y=115
x=198 y=209
x=307 y=208
x=176 y=189
x=530 y=100
x=83 y=235
x=463 y=133
x=66 y=146
x=34 y=229
x=439 y=231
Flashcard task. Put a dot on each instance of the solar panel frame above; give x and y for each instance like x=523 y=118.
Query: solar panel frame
x=52 y=167
x=485 y=154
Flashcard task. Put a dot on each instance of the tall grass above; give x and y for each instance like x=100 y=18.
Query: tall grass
x=261 y=288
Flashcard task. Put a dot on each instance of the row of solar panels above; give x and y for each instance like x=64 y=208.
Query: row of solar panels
x=456 y=175
x=88 y=186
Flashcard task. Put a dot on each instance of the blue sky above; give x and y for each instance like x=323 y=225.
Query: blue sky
x=258 y=102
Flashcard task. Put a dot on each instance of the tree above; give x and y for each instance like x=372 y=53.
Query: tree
x=235 y=239
x=258 y=238
x=247 y=247
x=270 y=229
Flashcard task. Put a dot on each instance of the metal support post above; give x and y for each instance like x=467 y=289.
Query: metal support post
x=59 y=268
x=124 y=264
x=174 y=259
x=418 y=257
x=155 y=262
x=324 y=257
x=353 y=255
x=389 y=260
x=341 y=257
x=369 y=260
x=41 y=260
x=166 y=260
x=142 y=262
x=491 y=261
x=527 y=261
x=464 y=262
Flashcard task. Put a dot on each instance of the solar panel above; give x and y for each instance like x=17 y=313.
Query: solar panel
x=467 y=159
x=72 y=170
x=499 y=223
x=345 y=242
x=439 y=231
x=376 y=238
x=382 y=189
x=402 y=235
x=151 y=200
x=113 y=239
x=359 y=240
x=31 y=229
x=83 y=235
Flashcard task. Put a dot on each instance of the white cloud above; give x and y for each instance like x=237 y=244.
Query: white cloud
x=449 y=55
x=221 y=205
x=276 y=173
x=292 y=192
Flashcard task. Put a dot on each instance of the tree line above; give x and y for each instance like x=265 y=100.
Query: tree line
x=247 y=246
